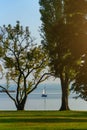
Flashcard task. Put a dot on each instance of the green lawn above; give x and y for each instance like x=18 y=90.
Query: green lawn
x=43 y=120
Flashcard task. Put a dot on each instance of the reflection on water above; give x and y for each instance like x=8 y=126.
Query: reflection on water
x=36 y=102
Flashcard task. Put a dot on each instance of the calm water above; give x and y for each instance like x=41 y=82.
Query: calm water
x=36 y=102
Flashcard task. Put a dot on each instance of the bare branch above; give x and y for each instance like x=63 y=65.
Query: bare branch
x=6 y=91
x=39 y=81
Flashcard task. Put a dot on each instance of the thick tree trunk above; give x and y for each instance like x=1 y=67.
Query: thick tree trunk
x=21 y=105
x=64 y=100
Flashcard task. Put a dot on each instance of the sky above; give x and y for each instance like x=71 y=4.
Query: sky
x=26 y=11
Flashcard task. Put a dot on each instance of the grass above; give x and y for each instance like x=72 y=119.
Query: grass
x=43 y=120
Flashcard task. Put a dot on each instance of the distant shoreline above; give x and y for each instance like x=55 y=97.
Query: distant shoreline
x=3 y=91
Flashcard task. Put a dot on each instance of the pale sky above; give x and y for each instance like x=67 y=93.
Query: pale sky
x=26 y=11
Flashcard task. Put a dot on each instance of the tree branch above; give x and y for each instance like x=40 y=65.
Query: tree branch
x=39 y=81
x=34 y=68
x=6 y=91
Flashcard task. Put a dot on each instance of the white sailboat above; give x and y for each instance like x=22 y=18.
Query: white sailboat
x=44 y=93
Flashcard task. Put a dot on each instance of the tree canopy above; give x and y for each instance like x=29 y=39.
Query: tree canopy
x=24 y=62
x=79 y=86
x=64 y=33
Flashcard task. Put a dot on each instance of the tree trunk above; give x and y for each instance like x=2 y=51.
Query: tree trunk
x=21 y=105
x=64 y=100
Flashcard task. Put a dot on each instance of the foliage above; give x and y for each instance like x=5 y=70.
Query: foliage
x=64 y=36
x=24 y=62
x=80 y=83
x=1 y=72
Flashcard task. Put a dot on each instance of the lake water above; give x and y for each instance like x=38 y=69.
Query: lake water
x=36 y=102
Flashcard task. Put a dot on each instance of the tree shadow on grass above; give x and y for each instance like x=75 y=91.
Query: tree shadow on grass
x=43 y=120
x=75 y=129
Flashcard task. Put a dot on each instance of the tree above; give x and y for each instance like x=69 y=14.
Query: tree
x=80 y=83
x=64 y=33
x=23 y=61
x=1 y=67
